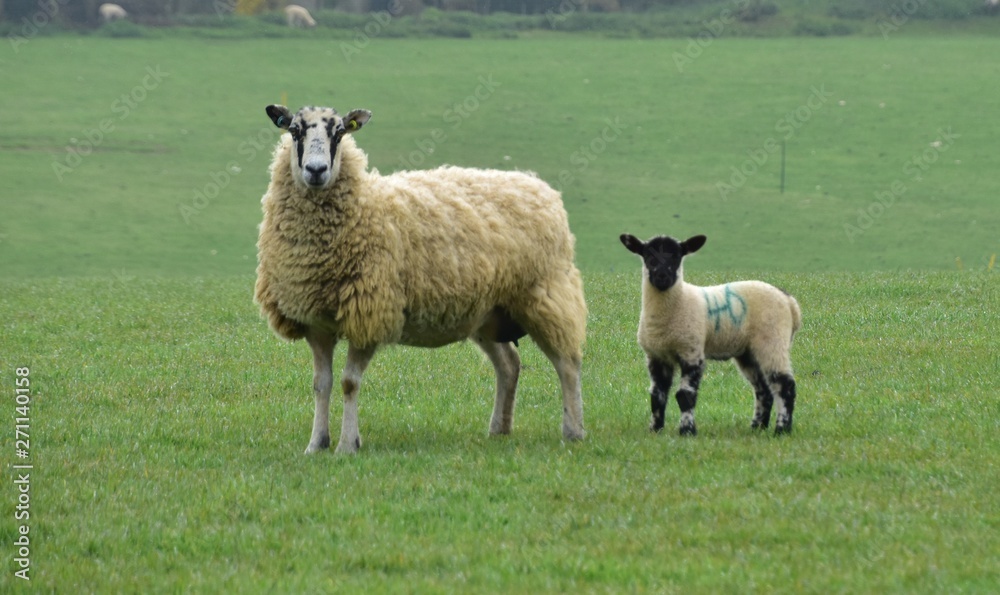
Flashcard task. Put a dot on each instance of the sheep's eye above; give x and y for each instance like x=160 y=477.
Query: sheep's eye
x=294 y=130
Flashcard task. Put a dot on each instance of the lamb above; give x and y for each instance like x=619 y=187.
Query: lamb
x=682 y=324
x=298 y=17
x=111 y=12
x=421 y=258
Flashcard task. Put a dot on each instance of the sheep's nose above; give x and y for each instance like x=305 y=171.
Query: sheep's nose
x=316 y=169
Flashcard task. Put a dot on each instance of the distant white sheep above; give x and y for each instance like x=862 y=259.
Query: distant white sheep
x=682 y=324
x=298 y=17
x=421 y=258
x=110 y=13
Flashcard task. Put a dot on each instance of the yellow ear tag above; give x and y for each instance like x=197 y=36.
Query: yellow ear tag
x=352 y=125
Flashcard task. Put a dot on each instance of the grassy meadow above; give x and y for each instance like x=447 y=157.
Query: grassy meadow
x=635 y=144
x=167 y=423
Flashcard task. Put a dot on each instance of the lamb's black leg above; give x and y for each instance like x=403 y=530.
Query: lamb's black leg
x=687 y=395
x=661 y=375
x=765 y=398
x=785 y=388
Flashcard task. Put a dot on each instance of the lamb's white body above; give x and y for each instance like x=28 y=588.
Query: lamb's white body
x=682 y=325
x=421 y=258
x=111 y=12
x=298 y=17
x=721 y=322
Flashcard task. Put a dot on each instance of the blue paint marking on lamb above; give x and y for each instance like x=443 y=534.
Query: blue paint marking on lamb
x=731 y=304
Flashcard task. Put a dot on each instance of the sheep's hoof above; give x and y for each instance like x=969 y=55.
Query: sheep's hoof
x=655 y=427
x=688 y=431
x=500 y=427
x=573 y=434
x=758 y=425
x=348 y=447
x=318 y=445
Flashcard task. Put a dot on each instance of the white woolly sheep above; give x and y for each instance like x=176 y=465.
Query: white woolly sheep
x=298 y=17
x=111 y=12
x=421 y=258
x=682 y=324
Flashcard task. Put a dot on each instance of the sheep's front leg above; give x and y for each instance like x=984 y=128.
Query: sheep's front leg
x=357 y=361
x=322 y=345
x=661 y=376
x=687 y=394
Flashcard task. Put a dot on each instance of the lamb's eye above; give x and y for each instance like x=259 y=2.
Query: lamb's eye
x=294 y=130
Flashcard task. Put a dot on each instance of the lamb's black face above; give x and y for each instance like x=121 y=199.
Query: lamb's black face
x=316 y=132
x=662 y=257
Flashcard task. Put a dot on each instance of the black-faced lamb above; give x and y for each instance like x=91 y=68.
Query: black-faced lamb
x=421 y=258
x=682 y=324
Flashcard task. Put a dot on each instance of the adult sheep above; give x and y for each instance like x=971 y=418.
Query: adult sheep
x=422 y=258
x=298 y=17
x=682 y=324
x=110 y=13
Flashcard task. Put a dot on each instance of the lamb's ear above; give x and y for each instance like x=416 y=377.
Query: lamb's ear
x=693 y=244
x=633 y=243
x=280 y=115
x=356 y=119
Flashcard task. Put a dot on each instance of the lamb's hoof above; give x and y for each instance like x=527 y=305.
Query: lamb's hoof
x=758 y=425
x=655 y=428
x=688 y=431
x=349 y=447
x=318 y=445
x=783 y=430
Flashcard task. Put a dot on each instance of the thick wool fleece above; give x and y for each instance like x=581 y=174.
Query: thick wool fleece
x=689 y=323
x=418 y=257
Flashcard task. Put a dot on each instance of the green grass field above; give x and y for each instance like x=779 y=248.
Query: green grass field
x=168 y=427
x=167 y=423
x=635 y=144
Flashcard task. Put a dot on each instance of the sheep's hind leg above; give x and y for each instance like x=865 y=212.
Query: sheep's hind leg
x=661 y=375
x=765 y=398
x=357 y=361
x=507 y=365
x=687 y=395
x=569 y=368
x=322 y=345
x=784 y=387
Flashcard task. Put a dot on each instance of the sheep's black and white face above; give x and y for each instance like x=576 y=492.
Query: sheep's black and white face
x=662 y=256
x=316 y=132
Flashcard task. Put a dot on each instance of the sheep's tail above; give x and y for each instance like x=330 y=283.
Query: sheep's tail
x=796 y=315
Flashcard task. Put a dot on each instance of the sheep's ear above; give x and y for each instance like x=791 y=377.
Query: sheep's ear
x=693 y=244
x=356 y=119
x=280 y=115
x=633 y=243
